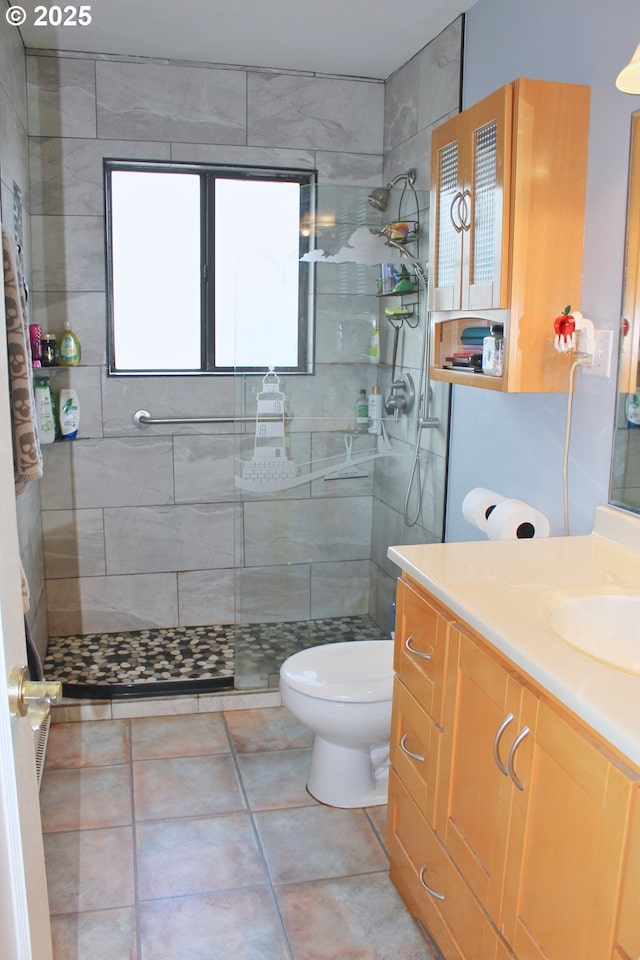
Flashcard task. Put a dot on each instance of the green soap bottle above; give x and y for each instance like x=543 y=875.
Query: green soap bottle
x=69 y=349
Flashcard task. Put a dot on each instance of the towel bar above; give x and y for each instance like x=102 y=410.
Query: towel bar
x=143 y=418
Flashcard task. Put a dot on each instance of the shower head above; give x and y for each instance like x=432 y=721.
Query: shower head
x=379 y=197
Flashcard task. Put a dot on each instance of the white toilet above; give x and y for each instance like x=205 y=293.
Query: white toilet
x=342 y=692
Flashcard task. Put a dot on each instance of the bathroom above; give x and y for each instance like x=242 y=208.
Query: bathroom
x=511 y=443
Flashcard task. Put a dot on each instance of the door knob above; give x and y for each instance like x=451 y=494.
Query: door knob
x=32 y=698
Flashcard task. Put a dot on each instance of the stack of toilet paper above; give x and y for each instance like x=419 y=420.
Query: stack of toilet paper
x=503 y=518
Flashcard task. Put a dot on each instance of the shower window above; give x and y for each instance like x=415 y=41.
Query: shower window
x=204 y=271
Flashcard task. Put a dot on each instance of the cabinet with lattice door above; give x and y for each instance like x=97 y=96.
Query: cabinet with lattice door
x=508 y=180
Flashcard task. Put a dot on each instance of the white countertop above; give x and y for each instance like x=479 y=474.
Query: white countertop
x=506 y=590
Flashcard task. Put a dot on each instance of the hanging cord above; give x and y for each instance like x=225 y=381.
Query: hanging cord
x=579 y=361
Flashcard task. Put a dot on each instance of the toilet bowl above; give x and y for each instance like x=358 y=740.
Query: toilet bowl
x=342 y=692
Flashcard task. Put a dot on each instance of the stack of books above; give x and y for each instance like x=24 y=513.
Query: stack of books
x=469 y=357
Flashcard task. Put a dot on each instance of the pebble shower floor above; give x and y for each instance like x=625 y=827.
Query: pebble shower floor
x=253 y=652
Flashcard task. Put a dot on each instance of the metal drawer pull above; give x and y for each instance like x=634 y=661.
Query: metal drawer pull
x=434 y=893
x=496 y=743
x=405 y=749
x=416 y=653
x=514 y=746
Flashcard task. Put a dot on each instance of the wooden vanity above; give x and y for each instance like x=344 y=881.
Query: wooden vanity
x=513 y=824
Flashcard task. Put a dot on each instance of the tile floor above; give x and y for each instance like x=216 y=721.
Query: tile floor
x=192 y=837
x=253 y=652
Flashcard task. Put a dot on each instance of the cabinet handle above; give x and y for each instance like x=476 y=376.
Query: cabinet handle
x=416 y=653
x=434 y=893
x=459 y=226
x=496 y=744
x=405 y=749
x=514 y=746
x=464 y=211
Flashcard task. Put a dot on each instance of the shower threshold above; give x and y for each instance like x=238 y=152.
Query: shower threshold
x=189 y=660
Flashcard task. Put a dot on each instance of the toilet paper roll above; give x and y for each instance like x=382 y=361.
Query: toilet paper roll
x=478 y=506
x=515 y=520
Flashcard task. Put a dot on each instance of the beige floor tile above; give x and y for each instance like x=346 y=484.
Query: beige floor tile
x=90 y=743
x=276 y=778
x=185 y=787
x=89 y=869
x=216 y=926
x=313 y=842
x=378 y=816
x=179 y=857
x=86 y=798
x=359 y=917
x=103 y=935
x=190 y=736
x=272 y=728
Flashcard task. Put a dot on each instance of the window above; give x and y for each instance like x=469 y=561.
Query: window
x=204 y=271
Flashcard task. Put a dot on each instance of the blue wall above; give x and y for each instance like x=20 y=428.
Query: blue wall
x=514 y=443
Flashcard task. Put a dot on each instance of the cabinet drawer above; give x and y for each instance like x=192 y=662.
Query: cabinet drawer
x=439 y=891
x=415 y=742
x=421 y=649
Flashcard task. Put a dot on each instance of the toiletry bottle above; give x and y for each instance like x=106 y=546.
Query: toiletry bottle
x=69 y=350
x=492 y=352
x=375 y=410
x=49 y=349
x=362 y=412
x=69 y=414
x=44 y=411
x=374 y=346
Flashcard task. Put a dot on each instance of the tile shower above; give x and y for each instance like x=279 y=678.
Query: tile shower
x=143 y=529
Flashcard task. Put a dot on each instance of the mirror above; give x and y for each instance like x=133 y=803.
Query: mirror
x=625 y=469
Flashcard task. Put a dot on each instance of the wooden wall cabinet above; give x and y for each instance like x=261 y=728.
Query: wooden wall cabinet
x=508 y=181
x=530 y=846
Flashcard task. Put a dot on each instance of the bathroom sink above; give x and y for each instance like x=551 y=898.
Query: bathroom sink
x=605 y=627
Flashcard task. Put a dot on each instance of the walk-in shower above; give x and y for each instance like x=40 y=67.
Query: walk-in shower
x=244 y=568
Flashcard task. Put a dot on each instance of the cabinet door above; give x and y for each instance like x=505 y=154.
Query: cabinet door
x=566 y=843
x=485 y=202
x=470 y=173
x=629 y=920
x=446 y=215
x=415 y=742
x=477 y=740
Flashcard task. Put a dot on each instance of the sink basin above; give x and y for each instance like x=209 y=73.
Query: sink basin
x=605 y=627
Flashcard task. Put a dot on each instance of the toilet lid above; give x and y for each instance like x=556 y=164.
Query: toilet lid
x=357 y=671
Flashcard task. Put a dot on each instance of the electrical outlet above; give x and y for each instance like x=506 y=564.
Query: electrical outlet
x=600 y=365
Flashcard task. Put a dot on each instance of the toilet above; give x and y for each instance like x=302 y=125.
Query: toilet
x=342 y=692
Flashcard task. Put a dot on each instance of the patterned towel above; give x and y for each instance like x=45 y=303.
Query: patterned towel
x=27 y=456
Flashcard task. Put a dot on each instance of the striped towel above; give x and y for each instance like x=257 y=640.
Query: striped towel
x=27 y=455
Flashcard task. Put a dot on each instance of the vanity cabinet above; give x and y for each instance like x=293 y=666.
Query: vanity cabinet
x=508 y=181
x=528 y=848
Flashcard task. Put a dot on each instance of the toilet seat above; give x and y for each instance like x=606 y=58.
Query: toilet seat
x=357 y=671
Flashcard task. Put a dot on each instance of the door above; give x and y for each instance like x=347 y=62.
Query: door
x=470 y=206
x=24 y=911
x=477 y=741
x=575 y=799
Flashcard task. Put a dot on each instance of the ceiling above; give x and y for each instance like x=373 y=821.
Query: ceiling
x=360 y=38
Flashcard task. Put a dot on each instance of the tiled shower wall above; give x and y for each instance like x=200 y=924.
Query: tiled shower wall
x=14 y=169
x=419 y=96
x=144 y=527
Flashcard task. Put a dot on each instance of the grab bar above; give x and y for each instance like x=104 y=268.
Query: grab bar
x=143 y=418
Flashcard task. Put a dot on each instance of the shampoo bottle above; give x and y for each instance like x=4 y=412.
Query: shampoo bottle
x=362 y=412
x=375 y=410
x=374 y=346
x=69 y=414
x=44 y=411
x=69 y=349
